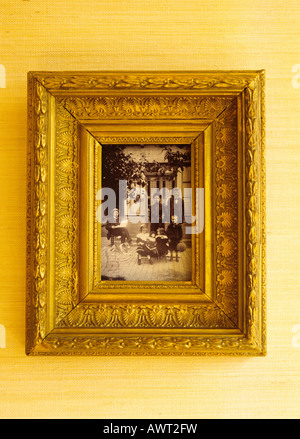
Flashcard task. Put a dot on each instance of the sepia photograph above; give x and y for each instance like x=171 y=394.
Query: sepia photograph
x=146 y=207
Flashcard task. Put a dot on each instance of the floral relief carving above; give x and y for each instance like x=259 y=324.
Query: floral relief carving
x=37 y=210
x=254 y=166
x=172 y=107
x=226 y=211
x=66 y=212
x=146 y=316
x=146 y=345
x=146 y=82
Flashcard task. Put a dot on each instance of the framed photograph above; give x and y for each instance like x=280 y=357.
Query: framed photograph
x=146 y=213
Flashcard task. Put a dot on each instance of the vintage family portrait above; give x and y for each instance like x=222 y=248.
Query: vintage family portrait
x=146 y=207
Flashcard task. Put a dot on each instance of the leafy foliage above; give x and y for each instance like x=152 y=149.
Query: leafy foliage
x=117 y=165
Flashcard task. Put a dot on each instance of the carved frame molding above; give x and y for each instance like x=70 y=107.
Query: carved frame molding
x=66 y=109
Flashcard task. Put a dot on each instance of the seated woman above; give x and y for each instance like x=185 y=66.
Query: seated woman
x=146 y=245
x=115 y=228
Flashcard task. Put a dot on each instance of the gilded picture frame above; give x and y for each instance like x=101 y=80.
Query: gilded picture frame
x=222 y=309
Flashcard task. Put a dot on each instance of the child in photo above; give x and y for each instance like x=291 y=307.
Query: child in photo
x=146 y=245
x=174 y=233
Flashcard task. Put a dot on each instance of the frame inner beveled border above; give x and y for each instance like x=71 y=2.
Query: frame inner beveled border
x=202 y=244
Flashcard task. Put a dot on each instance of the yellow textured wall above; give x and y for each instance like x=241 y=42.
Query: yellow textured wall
x=154 y=35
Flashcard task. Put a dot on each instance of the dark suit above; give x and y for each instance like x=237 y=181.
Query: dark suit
x=174 y=233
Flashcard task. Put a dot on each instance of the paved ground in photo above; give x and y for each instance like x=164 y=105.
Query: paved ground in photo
x=117 y=264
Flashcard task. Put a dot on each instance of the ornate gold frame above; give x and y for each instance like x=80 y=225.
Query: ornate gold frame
x=222 y=310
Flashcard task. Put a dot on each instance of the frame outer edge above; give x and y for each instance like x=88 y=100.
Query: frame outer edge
x=37 y=209
x=255 y=214
x=263 y=211
x=29 y=308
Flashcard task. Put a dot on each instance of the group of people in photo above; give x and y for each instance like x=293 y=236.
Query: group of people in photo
x=157 y=243
x=160 y=243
